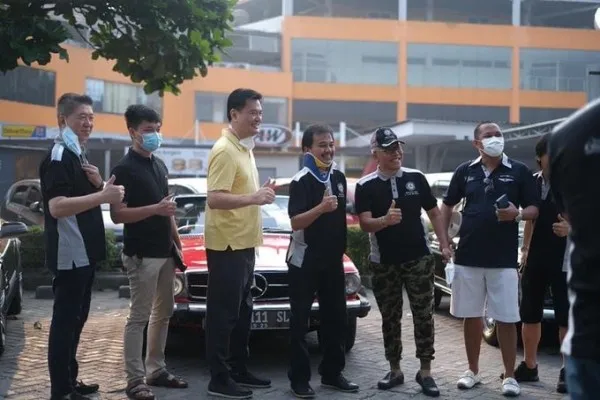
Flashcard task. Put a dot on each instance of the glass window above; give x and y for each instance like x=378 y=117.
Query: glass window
x=557 y=70
x=345 y=61
x=28 y=85
x=446 y=112
x=531 y=115
x=212 y=107
x=494 y=12
x=249 y=12
x=252 y=50
x=114 y=98
x=437 y=65
x=558 y=14
x=380 y=9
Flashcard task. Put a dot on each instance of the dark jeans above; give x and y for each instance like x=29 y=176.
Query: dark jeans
x=583 y=376
x=328 y=283
x=72 y=296
x=228 y=310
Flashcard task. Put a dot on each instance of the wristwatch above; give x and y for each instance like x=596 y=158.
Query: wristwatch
x=519 y=217
x=101 y=186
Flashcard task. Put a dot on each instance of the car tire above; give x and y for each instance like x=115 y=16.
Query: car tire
x=490 y=331
x=350 y=338
x=16 y=306
x=437 y=298
x=2 y=333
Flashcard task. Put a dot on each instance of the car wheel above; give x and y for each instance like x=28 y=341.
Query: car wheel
x=2 y=333
x=16 y=306
x=437 y=298
x=490 y=332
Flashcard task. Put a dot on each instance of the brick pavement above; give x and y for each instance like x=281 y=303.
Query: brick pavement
x=23 y=366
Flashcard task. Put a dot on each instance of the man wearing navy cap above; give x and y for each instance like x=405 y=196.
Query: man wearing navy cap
x=389 y=203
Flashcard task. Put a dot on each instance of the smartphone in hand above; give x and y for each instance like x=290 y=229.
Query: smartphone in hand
x=502 y=202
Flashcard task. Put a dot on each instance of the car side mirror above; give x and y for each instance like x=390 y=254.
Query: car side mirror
x=37 y=206
x=12 y=229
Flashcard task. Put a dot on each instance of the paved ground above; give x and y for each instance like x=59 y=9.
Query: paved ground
x=23 y=371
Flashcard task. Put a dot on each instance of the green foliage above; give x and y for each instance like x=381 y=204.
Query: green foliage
x=158 y=42
x=33 y=251
x=358 y=249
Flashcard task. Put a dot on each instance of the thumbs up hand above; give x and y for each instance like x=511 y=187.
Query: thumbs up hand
x=112 y=194
x=562 y=227
x=266 y=194
x=329 y=202
x=393 y=216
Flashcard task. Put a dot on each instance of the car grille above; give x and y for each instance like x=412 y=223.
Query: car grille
x=268 y=286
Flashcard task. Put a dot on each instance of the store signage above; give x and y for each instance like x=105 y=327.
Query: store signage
x=184 y=161
x=23 y=132
x=273 y=136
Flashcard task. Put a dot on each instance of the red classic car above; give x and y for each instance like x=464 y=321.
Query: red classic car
x=270 y=287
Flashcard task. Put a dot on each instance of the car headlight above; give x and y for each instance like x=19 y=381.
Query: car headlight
x=353 y=284
x=178 y=285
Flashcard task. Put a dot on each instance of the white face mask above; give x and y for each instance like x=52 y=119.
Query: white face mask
x=248 y=143
x=493 y=146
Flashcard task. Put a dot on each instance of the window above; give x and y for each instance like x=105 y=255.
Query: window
x=20 y=195
x=558 y=14
x=380 y=9
x=444 y=112
x=114 y=98
x=33 y=196
x=29 y=85
x=212 y=107
x=531 y=115
x=557 y=70
x=345 y=61
x=490 y=12
x=436 y=65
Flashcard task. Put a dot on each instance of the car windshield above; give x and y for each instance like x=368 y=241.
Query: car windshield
x=191 y=211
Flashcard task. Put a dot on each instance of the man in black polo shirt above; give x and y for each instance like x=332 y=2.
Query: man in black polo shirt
x=149 y=236
x=486 y=257
x=72 y=191
x=542 y=257
x=389 y=203
x=317 y=208
x=574 y=170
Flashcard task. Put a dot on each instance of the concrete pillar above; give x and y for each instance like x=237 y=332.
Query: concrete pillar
x=421 y=159
x=429 y=11
x=402 y=10
x=287 y=7
x=107 y=164
x=516 y=12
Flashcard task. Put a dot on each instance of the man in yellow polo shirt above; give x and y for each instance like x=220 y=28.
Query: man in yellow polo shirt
x=233 y=229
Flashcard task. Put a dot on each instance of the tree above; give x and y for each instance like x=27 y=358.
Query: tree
x=158 y=42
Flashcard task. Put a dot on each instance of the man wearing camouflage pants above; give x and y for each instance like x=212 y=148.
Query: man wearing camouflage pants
x=389 y=203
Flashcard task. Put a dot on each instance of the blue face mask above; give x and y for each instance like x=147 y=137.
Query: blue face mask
x=71 y=141
x=151 y=141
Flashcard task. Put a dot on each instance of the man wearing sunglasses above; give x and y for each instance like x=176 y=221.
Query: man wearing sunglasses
x=494 y=187
x=389 y=203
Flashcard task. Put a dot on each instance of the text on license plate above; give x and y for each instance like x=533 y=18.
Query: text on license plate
x=271 y=319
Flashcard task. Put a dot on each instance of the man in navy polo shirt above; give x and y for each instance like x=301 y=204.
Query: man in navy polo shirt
x=486 y=257
x=389 y=203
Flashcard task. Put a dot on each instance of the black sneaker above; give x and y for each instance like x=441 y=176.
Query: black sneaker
x=228 y=390
x=427 y=385
x=250 y=380
x=339 y=383
x=561 y=385
x=525 y=374
x=391 y=380
x=84 y=389
x=303 y=391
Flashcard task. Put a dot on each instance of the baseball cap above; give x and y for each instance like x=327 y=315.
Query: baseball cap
x=383 y=138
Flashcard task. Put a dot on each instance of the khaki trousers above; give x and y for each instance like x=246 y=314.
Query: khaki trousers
x=151 y=289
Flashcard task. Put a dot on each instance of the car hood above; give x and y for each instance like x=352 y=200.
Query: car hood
x=270 y=256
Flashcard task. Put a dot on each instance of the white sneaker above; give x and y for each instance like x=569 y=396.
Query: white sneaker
x=510 y=387
x=468 y=380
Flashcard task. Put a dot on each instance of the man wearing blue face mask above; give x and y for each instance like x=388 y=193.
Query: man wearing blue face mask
x=149 y=236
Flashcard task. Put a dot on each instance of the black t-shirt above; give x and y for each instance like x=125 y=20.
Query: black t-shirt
x=574 y=151
x=324 y=241
x=78 y=240
x=146 y=183
x=405 y=241
x=484 y=241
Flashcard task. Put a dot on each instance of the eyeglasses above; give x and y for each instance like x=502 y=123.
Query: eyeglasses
x=489 y=184
x=392 y=149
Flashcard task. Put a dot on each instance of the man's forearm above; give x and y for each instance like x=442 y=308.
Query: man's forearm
x=126 y=215
x=229 y=201
x=62 y=207
x=527 y=233
x=372 y=225
x=304 y=220
x=530 y=213
x=175 y=233
x=440 y=230
x=446 y=213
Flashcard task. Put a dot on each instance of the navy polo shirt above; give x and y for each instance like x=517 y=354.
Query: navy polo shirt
x=484 y=241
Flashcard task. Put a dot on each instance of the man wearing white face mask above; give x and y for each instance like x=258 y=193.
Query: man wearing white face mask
x=150 y=238
x=494 y=187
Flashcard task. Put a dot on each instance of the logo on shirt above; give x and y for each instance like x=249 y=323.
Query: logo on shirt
x=340 y=190
x=506 y=178
x=411 y=189
x=410 y=186
x=592 y=147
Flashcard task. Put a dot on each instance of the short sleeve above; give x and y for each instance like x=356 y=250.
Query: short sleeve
x=57 y=180
x=298 y=202
x=428 y=201
x=362 y=200
x=122 y=179
x=221 y=171
x=456 y=189
x=528 y=193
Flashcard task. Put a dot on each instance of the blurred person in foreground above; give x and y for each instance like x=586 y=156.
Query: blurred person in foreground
x=574 y=170
x=317 y=209
x=72 y=191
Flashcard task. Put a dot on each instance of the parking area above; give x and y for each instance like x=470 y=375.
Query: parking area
x=24 y=376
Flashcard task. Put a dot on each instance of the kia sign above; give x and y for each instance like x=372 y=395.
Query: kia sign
x=273 y=136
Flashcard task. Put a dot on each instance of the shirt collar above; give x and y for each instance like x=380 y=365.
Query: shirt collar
x=138 y=156
x=383 y=177
x=229 y=135
x=505 y=161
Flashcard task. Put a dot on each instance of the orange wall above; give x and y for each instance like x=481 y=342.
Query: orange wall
x=179 y=110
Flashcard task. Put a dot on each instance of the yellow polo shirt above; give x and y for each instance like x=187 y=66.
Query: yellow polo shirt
x=231 y=168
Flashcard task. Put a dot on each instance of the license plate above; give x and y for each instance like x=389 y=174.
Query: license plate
x=271 y=319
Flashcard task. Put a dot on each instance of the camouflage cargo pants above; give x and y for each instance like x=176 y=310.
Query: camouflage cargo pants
x=417 y=278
